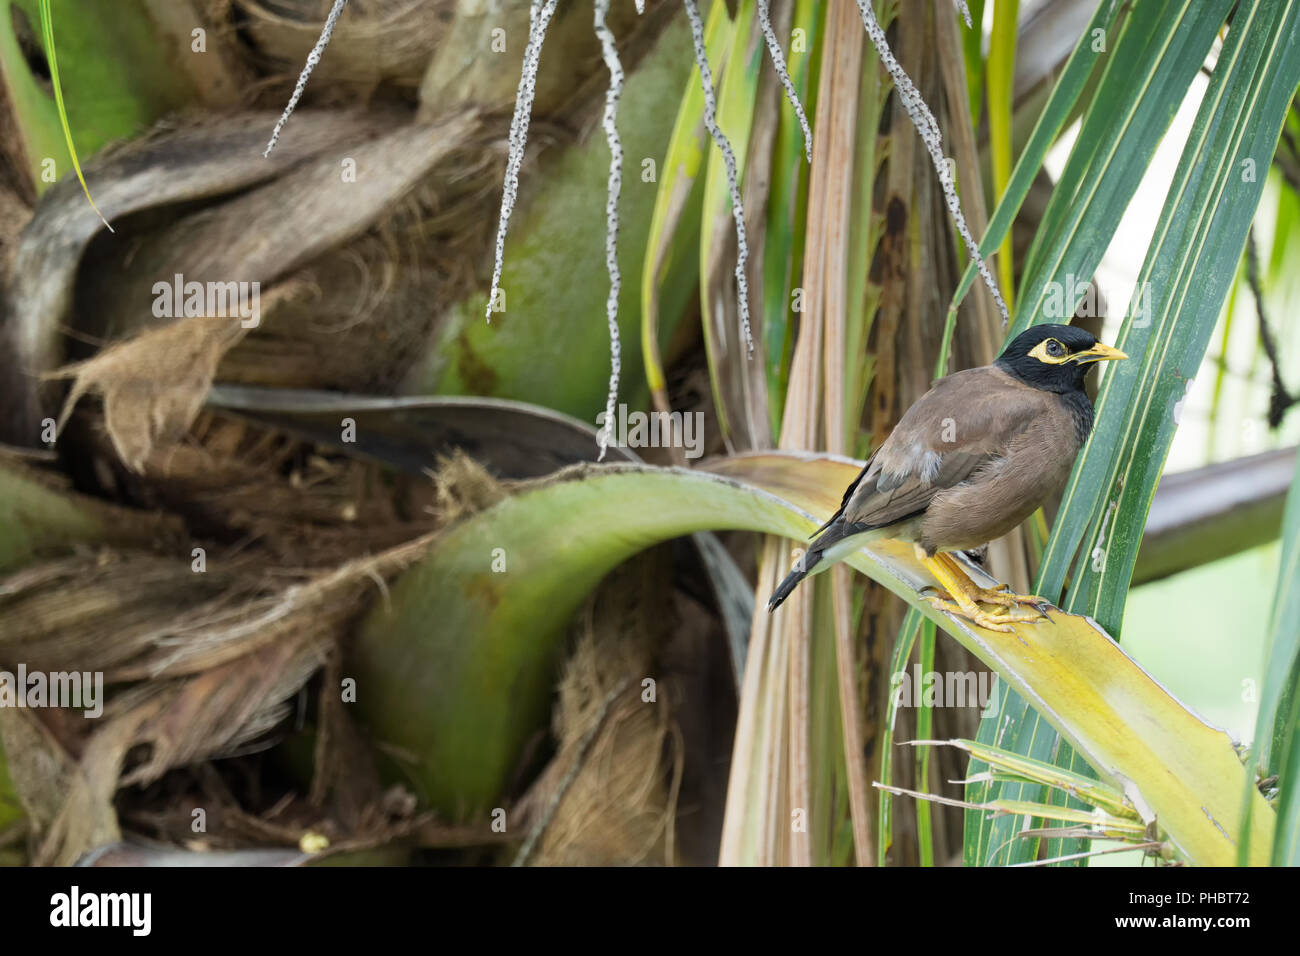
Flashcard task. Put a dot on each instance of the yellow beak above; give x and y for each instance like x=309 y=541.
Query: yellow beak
x=1098 y=353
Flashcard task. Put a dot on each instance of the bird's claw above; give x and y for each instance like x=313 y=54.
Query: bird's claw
x=992 y=622
x=1000 y=620
x=1013 y=615
x=1003 y=595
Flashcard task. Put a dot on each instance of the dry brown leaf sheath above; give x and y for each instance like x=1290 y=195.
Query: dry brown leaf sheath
x=153 y=385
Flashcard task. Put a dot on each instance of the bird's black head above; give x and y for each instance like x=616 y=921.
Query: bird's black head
x=1054 y=358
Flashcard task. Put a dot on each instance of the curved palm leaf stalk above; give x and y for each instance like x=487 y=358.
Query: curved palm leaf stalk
x=459 y=744
x=512 y=440
x=1197 y=245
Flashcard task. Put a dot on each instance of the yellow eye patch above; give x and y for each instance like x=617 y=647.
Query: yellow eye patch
x=1042 y=353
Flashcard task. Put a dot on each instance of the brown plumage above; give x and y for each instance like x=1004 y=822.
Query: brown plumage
x=974 y=457
x=954 y=458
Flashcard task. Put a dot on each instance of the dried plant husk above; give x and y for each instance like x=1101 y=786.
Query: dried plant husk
x=153 y=385
x=382 y=41
x=608 y=798
x=201 y=663
x=193 y=160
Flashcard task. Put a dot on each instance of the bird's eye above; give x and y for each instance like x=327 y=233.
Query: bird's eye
x=1055 y=349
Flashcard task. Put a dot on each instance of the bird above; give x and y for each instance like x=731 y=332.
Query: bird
x=970 y=460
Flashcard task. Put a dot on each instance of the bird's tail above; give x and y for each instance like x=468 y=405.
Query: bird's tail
x=802 y=567
x=808 y=562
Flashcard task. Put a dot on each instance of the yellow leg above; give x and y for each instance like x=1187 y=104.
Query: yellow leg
x=963 y=595
x=1002 y=594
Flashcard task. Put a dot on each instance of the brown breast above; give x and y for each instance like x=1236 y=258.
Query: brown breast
x=1009 y=488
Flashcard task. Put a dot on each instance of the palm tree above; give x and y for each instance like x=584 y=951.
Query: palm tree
x=340 y=547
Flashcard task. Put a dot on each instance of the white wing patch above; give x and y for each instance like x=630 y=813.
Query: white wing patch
x=929 y=469
x=920 y=461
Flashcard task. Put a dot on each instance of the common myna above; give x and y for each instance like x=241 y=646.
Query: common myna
x=975 y=456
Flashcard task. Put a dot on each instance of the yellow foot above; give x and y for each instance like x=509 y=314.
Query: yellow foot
x=994 y=622
x=963 y=597
x=1003 y=595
